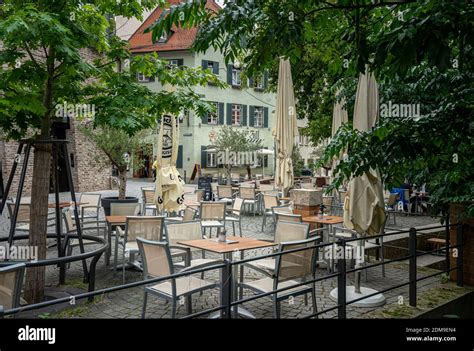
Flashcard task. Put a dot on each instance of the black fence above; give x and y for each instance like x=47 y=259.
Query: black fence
x=228 y=302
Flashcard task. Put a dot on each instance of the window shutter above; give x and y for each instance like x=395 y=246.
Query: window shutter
x=251 y=116
x=204 y=118
x=180 y=62
x=229 y=114
x=229 y=74
x=204 y=64
x=221 y=113
x=203 y=156
x=251 y=81
x=265 y=80
x=265 y=117
x=244 y=115
x=151 y=79
x=215 y=68
x=179 y=161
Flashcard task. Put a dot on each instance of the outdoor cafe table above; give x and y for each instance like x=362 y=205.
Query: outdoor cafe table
x=235 y=245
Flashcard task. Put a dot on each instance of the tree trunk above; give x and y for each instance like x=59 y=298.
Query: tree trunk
x=35 y=277
x=228 y=168
x=122 y=183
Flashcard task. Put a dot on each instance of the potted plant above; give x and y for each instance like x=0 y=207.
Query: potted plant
x=116 y=147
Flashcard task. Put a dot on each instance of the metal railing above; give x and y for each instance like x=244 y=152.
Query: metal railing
x=228 y=302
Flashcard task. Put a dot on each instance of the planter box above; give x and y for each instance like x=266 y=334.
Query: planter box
x=306 y=197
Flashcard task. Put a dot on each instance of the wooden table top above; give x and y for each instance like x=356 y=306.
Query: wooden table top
x=116 y=219
x=324 y=220
x=286 y=198
x=222 y=248
x=66 y=204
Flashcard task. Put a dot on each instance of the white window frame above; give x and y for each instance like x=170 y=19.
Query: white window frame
x=211 y=160
x=236 y=78
x=163 y=38
x=173 y=63
x=142 y=78
x=236 y=115
x=258 y=83
x=213 y=117
x=258 y=117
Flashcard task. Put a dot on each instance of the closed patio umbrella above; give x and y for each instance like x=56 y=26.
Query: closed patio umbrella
x=169 y=192
x=364 y=210
x=286 y=127
x=339 y=117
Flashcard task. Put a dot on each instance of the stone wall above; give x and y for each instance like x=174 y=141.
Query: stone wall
x=88 y=174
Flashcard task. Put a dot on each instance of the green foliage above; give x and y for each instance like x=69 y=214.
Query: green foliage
x=234 y=139
x=298 y=162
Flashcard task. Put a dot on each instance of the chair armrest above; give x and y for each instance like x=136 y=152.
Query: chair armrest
x=265 y=239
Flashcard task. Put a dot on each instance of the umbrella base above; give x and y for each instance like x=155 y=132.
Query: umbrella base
x=372 y=301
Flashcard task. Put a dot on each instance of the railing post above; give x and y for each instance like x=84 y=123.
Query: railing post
x=341 y=281
x=412 y=274
x=447 y=245
x=226 y=289
x=459 y=258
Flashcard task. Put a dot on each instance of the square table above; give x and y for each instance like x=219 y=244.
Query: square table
x=239 y=245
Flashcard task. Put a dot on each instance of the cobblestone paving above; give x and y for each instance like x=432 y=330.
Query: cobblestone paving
x=127 y=303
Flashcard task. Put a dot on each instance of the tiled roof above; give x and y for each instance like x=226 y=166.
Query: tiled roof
x=180 y=39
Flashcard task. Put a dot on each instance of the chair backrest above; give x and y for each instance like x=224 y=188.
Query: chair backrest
x=124 y=209
x=89 y=199
x=191 y=197
x=189 y=214
x=148 y=196
x=156 y=258
x=199 y=194
x=11 y=281
x=67 y=216
x=180 y=231
x=214 y=187
x=282 y=209
x=266 y=187
x=210 y=210
x=307 y=186
x=224 y=191
x=290 y=231
x=189 y=188
x=23 y=212
x=295 y=265
x=147 y=227
x=392 y=199
x=270 y=201
x=328 y=201
x=235 y=176
x=247 y=192
x=237 y=206
x=288 y=217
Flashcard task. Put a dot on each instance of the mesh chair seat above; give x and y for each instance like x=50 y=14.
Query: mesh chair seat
x=211 y=223
x=184 y=286
x=232 y=219
x=265 y=285
x=367 y=245
x=197 y=263
x=267 y=265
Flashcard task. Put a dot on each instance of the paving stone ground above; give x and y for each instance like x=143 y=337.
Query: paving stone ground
x=127 y=303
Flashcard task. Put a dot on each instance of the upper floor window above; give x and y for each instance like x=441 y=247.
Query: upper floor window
x=212 y=117
x=258 y=116
x=163 y=38
x=142 y=78
x=258 y=82
x=211 y=159
x=173 y=63
x=236 y=79
x=236 y=114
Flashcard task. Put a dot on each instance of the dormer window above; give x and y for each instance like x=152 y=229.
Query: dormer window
x=163 y=38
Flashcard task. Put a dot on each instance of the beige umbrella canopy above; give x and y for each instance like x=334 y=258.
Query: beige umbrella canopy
x=286 y=127
x=169 y=184
x=364 y=209
x=339 y=116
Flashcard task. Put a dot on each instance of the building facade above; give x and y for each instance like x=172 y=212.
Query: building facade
x=244 y=104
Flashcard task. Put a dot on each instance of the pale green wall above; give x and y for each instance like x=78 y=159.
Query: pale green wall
x=200 y=132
